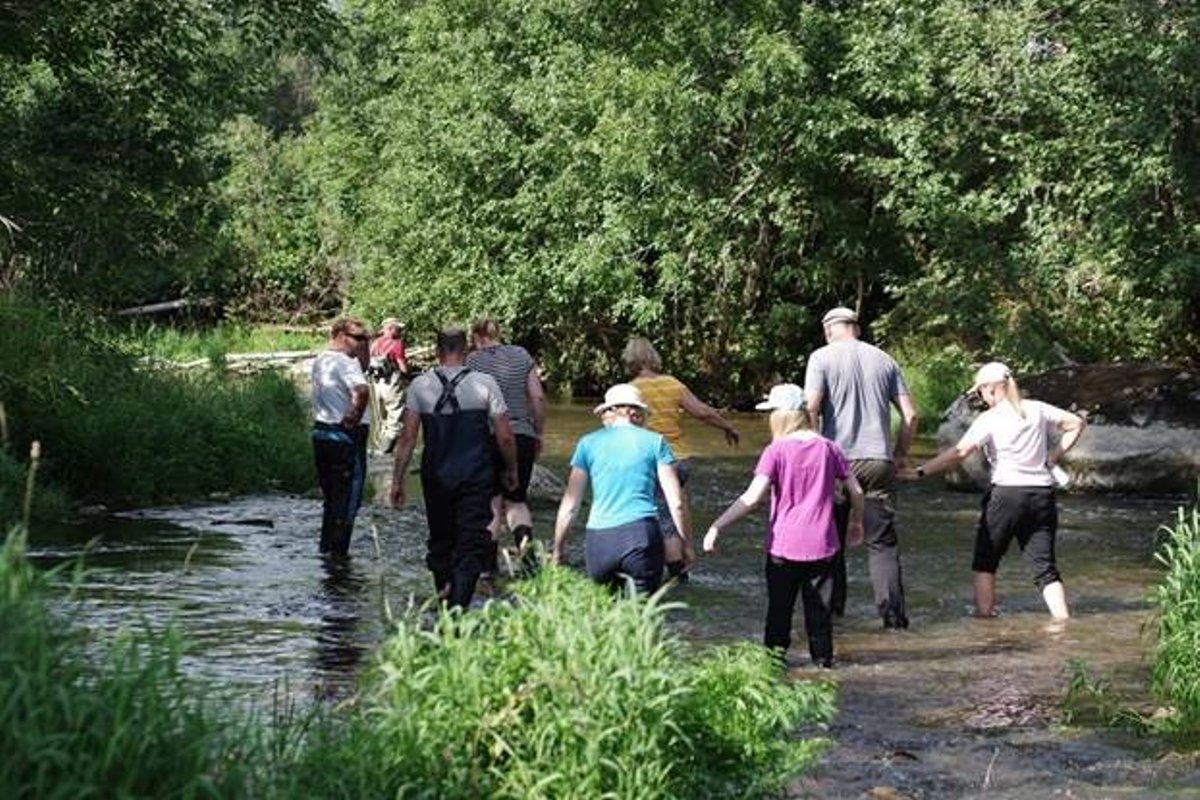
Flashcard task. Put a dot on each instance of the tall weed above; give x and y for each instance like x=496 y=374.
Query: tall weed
x=122 y=435
x=565 y=693
x=1175 y=670
x=118 y=721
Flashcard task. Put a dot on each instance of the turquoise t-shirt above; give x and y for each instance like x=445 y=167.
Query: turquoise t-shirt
x=622 y=466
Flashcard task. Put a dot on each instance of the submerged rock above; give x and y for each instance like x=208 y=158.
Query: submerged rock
x=545 y=485
x=1143 y=434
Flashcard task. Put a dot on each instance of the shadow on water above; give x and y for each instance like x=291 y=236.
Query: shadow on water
x=955 y=707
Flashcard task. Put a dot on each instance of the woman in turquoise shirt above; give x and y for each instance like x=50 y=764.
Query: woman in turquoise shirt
x=623 y=462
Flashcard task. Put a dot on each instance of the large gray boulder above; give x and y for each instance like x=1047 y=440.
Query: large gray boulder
x=1143 y=436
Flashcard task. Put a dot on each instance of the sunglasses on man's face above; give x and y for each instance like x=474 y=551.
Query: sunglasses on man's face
x=358 y=337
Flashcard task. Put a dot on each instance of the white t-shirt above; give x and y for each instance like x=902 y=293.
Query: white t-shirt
x=1016 y=447
x=334 y=376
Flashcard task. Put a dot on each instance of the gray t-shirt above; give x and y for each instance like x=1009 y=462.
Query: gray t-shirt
x=857 y=382
x=477 y=392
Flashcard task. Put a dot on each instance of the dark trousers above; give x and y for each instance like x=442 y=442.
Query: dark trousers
x=459 y=541
x=341 y=459
x=1028 y=514
x=878 y=481
x=813 y=581
x=633 y=551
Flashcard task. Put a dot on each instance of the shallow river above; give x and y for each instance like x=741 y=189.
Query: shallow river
x=954 y=707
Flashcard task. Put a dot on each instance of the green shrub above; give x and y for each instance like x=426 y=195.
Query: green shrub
x=936 y=376
x=565 y=693
x=1175 y=671
x=118 y=433
x=186 y=344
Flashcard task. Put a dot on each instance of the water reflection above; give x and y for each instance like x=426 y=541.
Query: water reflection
x=340 y=641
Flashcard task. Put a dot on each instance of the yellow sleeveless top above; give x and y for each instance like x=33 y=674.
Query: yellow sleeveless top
x=664 y=395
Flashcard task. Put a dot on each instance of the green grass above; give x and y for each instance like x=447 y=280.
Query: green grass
x=1175 y=668
x=188 y=344
x=1175 y=655
x=562 y=693
x=118 y=434
x=1091 y=700
x=565 y=693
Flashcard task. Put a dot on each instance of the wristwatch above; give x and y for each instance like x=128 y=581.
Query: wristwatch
x=921 y=471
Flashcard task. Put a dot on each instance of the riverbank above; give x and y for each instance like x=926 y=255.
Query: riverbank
x=117 y=434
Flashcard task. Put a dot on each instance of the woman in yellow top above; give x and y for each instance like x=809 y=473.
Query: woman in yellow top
x=667 y=399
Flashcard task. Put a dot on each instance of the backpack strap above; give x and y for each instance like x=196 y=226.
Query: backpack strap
x=448 y=386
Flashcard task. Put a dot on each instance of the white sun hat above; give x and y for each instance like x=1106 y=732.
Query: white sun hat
x=991 y=372
x=622 y=394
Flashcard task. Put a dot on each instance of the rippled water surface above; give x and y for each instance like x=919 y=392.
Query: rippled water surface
x=955 y=707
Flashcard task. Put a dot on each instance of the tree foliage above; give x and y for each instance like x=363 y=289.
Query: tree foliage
x=108 y=115
x=1015 y=179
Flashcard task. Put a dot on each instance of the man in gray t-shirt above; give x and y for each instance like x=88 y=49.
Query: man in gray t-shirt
x=850 y=389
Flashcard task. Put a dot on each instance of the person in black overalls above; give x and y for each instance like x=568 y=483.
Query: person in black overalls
x=464 y=419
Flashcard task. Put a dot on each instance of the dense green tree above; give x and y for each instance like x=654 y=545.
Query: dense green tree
x=1017 y=179
x=1010 y=179
x=108 y=114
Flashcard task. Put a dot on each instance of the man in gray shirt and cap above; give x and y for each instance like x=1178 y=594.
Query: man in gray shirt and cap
x=850 y=388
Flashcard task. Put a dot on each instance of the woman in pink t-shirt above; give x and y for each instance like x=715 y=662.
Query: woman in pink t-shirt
x=802 y=471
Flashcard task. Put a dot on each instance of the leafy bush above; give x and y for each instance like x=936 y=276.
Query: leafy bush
x=565 y=693
x=935 y=377
x=114 y=432
x=1175 y=671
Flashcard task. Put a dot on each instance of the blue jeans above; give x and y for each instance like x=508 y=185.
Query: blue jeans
x=341 y=459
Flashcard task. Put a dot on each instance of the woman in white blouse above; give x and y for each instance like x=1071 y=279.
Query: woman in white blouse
x=1016 y=437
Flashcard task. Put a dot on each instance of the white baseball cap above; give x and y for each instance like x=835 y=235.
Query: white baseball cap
x=991 y=372
x=783 y=397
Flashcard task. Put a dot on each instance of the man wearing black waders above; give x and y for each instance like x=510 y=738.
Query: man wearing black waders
x=463 y=419
x=340 y=426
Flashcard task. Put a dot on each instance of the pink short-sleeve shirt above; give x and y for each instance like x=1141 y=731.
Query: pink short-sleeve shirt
x=803 y=475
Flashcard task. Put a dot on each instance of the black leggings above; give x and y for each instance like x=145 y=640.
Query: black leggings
x=813 y=581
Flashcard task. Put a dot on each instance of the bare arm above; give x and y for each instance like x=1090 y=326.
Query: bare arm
x=812 y=402
x=668 y=478
x=758 y=489
x=947 y=459
x=709 y=416
x=537 y=404
x=1072 y=427
x=567 y=509
x=507 y=443
x=360 y=396
x=406 y=442
x=908 y=429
